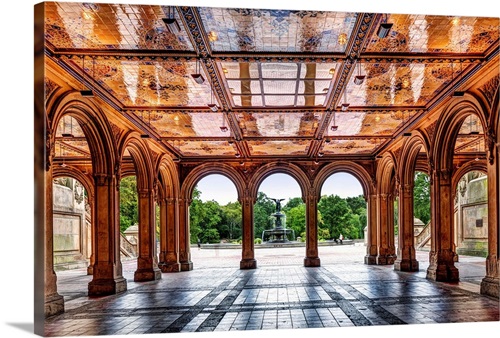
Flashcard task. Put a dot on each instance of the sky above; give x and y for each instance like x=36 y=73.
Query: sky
x=221 y=189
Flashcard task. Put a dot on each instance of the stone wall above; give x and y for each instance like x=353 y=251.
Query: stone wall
x=471 y=215
x=71 y=229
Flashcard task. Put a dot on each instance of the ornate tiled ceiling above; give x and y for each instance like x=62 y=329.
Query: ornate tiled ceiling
x=278 y=78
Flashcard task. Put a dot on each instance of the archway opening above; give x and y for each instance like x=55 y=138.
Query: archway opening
x=129 y=218
x=215 y=220
x=72 y=225
x=422 y=213
x=471 y=214
x=342 y=216
x=470 y=203
x=279 y=221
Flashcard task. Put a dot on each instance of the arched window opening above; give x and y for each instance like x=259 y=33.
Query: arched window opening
x=72 y=225
x=422 y=211
x=215 y=220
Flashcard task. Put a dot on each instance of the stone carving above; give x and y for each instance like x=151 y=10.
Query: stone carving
x=50 y=87
x=490 y=88
x=430 y=130
x=79 y=192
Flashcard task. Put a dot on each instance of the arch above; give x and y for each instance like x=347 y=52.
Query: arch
x=212 y=168
x=95 y=126
x=76 y=174
x=466 y=168
x=141 y=157
x=167 y=173
x=409 y=156
x=385 y=168
x=278 y=168
x=448 y=126
x=352 y=168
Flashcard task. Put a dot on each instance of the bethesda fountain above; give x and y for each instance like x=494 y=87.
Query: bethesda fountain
x=279 y=233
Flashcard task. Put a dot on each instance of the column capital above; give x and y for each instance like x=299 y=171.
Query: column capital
x=102 y=179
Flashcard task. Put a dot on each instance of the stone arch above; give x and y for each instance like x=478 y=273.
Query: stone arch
x=352 y=168
x=448 y=126
x=409 y=156
x=384 y=176
x=466 y=168
x=95 y=126
x=212 y=168
x=76 y=174
x=141 y=157
x=167 y=172
x=278 y=168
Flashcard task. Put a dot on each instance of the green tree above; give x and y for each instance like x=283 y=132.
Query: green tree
x=292 y=203
x=262 y=211
x=296 y=219
x=335 y=214
x=129 y=214
x=232 y=220
x=422 y=197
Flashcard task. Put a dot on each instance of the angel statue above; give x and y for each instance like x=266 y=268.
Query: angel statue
x=278 y=203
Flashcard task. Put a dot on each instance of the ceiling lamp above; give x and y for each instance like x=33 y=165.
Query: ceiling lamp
x=65 y=133
x=344 y=106
x=212 y=105
x=171 y=22
x=197 y=77
x=384 y=28
x=358 y=79
x=86 y=92
x=408 y=134
x=331 y=71
x=223 y=128
x=334 y=127
x=321 y=154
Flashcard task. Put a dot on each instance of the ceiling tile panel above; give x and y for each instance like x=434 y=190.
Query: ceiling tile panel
x=278 y=30
x=279 y=148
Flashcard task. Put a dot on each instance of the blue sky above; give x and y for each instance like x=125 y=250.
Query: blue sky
x=222 y=190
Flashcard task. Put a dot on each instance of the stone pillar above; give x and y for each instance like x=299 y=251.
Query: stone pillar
x=441 y=257
x=390 y=230
x=248 y=247
x=406 y=260
x=53 y=302
x=147 y=264
x=90 y=268
x=372 y=211
x=386 y=229
x=107 y=278
x=169 y=236
x=312 y=259
x=184 y=236
x=491 y=283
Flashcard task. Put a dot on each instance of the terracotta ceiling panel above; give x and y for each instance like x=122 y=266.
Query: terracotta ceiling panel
x=177 y=124
x=351 y=146
x=148 y=83
x=437 y=34
x=279 y=124
x=392 y=85
x=277 y=30
x=112 y=27
x=71 y=148
x=204 y=148
x=279 y=148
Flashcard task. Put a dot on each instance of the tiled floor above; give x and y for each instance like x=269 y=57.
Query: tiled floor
x=279 y=294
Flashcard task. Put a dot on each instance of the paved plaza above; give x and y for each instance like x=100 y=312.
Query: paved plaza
x=216 y=296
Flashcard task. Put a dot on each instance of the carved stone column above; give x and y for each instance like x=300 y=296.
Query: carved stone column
x=90 y=268
x=312 y=259
x=53 y=302
x=169 y=236
x=184 y=236
x=248 y=248
x=372 y=211
x=385 y=228
x=107 y=277
x=491 y=283
x=406 y=260
x=441 y=257
x=147 y=264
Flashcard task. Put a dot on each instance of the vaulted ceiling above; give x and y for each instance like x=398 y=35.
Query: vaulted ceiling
x=282 y=81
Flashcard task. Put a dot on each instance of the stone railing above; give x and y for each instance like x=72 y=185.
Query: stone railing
x=127 y=249
x=423 y=237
